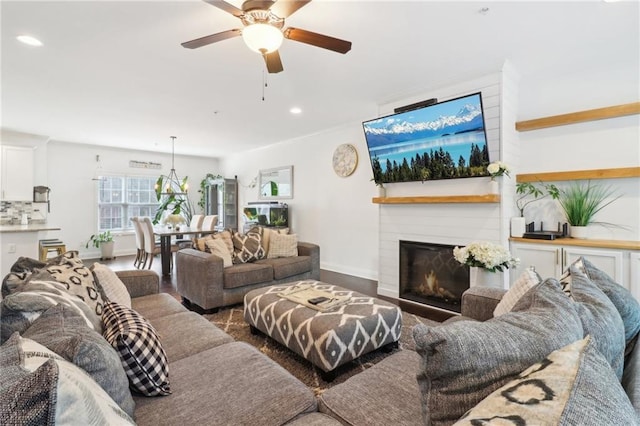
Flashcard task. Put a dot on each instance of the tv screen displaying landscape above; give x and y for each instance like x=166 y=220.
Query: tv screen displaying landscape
x=446 y=140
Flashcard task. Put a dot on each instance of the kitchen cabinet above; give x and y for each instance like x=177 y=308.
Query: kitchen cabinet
x=17 y=173
x=552 y=258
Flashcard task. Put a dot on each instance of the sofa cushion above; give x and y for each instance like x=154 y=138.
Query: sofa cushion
x=187 y=333
x=112 y=287
x=631 y=377
x=39 y=387
x=156 y=305
x=314 y=419
x=245 y=274
x=64 y=332
x=599 y=317
x=627 y=306
x=385 y=394
x=524 y=283
x=283 y=245
x=288 y=267
x=21 y=308
x=220 y=249
x=572 y=386
x=138 y=345
x=247 y=247
x=232 y=384
x=465 y=361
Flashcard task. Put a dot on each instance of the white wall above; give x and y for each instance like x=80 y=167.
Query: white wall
x=74 y=193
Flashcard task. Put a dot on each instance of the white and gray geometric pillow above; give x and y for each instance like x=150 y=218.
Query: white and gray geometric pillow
x=572 y=386
x=138 y=344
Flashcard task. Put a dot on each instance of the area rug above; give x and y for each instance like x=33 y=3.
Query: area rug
x=232 y=322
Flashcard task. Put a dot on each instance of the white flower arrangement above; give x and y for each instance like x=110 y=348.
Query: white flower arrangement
x=498 y=168
x=492 y=257
x=174 y=219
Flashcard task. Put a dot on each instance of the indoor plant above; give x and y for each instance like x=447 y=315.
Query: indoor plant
x=581 y=201
x=496 y=169
x=527 y=193
x=173 y=199
x=103 y=241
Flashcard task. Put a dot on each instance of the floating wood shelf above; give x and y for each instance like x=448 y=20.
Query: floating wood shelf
x=623 y=172
x=579 y=117
x=439 y=199
x=612 y=244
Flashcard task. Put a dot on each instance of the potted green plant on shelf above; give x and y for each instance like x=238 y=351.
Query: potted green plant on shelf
x=104 y=241
x=581 y=201
x=527 y=193
x=209 y=179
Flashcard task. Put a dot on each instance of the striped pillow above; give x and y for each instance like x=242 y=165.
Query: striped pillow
x=283 y=245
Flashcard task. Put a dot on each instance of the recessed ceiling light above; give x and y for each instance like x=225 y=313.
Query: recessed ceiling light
x=295 y=110
x=31 y=41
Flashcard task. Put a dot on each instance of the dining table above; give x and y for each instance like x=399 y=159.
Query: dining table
x=165 y=234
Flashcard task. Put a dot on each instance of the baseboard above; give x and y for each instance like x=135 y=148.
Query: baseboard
x=356 y=272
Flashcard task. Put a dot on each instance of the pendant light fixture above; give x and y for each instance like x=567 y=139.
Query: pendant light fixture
x=172 y=184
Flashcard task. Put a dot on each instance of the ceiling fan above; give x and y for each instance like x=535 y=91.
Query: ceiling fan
x=262 y=32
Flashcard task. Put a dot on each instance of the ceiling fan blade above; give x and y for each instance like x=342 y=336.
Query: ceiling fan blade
x=213 y=38
x=274 y=64
x=319 y=40
x=286 y=8
x=227 y=7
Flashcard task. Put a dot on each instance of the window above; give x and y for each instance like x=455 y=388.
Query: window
x=122 y=197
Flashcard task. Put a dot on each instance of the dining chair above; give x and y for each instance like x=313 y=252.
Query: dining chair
x=151 y=247
x=137 y=227
x=196 y=223
x=209 y=222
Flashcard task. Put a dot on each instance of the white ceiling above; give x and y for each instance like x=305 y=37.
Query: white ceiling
x=113 y=73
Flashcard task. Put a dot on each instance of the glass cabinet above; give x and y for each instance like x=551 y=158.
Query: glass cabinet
x=221 y=198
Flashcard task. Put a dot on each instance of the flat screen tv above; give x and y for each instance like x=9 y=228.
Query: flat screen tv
x=445 y=140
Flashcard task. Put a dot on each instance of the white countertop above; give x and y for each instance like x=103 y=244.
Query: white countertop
x=34 y=227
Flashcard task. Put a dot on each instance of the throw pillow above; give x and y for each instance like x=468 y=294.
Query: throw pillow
x=219 y=248
x=77 y=278
x=113 y=288
x=283 y=245
x=573 y=385
x=20 y=309
x=464 y=361
x=627 y=306
x=201 y=243
x=247 y=247
x=524 y=283
x=599 y=317
x=266 y=233
x=39 y=387
x=136 y=341
x=227 y=237
x=20 y=273
x=64 y=332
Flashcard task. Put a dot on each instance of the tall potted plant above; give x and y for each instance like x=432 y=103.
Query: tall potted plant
x=581 y=202
x=103 y=241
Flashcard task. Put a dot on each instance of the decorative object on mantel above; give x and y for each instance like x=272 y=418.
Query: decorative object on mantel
x=496 y=169
x=581 y=202
x=345 y=160
x=484 y=260
x=171 y=192
x=528 y=193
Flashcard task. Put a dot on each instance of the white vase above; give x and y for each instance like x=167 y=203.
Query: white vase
x=484 y=278
x=382 y=191
x=518 y=226
x=581 y=232
x=494 y=186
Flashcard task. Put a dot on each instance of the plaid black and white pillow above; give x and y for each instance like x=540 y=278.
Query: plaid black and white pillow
x=138 y=345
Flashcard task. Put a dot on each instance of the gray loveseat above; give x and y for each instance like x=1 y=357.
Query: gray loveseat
x=204 y=282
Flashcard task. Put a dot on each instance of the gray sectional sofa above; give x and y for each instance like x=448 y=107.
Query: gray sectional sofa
x=204 y=282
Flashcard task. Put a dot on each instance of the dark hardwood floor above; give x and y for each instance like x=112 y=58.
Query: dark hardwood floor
x=361 y=285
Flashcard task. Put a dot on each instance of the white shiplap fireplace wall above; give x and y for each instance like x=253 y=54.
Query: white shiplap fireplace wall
x=454 y=224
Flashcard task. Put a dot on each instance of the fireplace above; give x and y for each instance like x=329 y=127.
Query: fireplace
x=430 y=275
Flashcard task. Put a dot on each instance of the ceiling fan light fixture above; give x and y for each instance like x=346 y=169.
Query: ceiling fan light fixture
x=262 y=38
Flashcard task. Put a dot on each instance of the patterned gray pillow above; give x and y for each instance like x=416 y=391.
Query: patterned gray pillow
x=64 y=332
x=627 y=306
x=463 y=362
x=572 y=386
x=247 y=247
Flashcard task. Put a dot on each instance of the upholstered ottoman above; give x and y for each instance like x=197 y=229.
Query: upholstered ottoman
x=327 y=339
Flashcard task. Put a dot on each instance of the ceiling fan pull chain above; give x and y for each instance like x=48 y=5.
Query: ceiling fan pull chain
x=264 y=84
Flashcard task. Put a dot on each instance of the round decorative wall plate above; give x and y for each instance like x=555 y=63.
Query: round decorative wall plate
x=345 y=159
